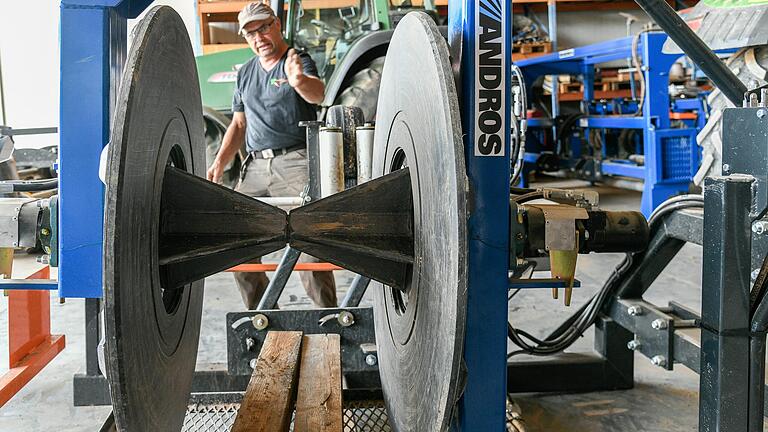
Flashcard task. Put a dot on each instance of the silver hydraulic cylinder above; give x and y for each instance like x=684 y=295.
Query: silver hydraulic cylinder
x=331 y=144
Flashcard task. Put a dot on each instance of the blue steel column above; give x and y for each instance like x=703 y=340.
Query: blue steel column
x=482 y=407
x=93 y=46
x=656 y=108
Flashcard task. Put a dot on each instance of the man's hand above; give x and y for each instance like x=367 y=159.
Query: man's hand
x=215 y=172
x=294 y=69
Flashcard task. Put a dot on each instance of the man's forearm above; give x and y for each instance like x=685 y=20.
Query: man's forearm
x=230 y=144
x=311 y=89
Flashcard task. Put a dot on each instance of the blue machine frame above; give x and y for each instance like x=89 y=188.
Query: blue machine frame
x=482 y=407
x=671 y=154
x=93 y=50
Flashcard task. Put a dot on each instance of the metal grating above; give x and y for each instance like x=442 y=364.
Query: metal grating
x=210 y=417
x=359 y=416
x=366 y=416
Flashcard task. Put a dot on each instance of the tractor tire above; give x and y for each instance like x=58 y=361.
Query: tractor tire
x=216 y=125
x=363 y=90
x=751 y=66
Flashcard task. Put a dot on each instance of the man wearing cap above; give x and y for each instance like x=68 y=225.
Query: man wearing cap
x=275 y=90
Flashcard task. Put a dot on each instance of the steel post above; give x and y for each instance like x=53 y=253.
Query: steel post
x=277 y=284
x=725 y=319
x=356 y=291
x=479 y=34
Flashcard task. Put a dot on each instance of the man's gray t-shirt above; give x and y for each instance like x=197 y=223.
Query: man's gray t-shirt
x=273 y=109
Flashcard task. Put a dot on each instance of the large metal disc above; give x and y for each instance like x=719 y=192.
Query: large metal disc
x=420 y=330
x=151 y=332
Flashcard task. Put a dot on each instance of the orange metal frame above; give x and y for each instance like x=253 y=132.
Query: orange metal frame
x=31 y=344
x=250 y=268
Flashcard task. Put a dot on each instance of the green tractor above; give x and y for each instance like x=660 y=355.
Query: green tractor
x=347 y=39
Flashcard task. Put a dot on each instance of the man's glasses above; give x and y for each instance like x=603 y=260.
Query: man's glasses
x=260 y=30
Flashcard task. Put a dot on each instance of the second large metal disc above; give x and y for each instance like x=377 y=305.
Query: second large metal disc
x=420 y=330
x=151 y=332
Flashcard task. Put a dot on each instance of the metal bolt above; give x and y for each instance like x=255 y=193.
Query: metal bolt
x=659 y=361
x=346 y=318
x=760 y=227
x=249 y=344
x=635 y=310
x=45 y=231
x=633 y=345
x=260 y=321
x=726 y=168
x=659 y=324
x=760 y=113
x=252 y=363
x=371 y=360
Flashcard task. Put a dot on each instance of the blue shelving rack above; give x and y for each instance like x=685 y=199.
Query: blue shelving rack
x=671 y=156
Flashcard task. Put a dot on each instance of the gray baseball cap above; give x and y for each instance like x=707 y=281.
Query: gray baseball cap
x=255 y=11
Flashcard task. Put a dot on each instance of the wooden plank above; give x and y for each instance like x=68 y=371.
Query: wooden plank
x=268 y=401
x=318 y=401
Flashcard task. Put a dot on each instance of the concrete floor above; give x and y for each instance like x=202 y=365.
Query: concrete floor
x=660 y=401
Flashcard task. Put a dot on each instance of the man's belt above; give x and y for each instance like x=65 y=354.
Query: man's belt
x=271 y=153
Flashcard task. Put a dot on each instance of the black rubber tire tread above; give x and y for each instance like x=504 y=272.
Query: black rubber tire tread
x=709 y=138
x=363 y=90
x=216 y=124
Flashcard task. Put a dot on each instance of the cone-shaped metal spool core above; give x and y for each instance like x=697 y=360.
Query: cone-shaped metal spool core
x=166 y=228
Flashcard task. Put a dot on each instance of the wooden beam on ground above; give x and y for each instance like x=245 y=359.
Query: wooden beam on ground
x=318 y=401
x=268 y=401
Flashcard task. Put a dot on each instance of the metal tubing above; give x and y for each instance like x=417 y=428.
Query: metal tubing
x=364 y=138
x=277 y=284
x=552 y=24
x=724 y=389
x=356 y=290
x=695 y=48
x=331 y=161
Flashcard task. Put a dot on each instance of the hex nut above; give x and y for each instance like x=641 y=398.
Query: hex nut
x=760 y=113
x=260 y=321
x=760 y=227
x=252 y=363
x=659 y=360
x=659 y=324
x=346 y=318
x=635 y=310
x=371 y=360
x=633 y=345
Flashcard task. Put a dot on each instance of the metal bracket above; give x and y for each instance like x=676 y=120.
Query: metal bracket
x=354 y=325
x=560 y=228
x=653 y=329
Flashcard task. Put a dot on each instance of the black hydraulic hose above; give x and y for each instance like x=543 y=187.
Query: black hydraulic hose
x=28 y=185
x=669 y=21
